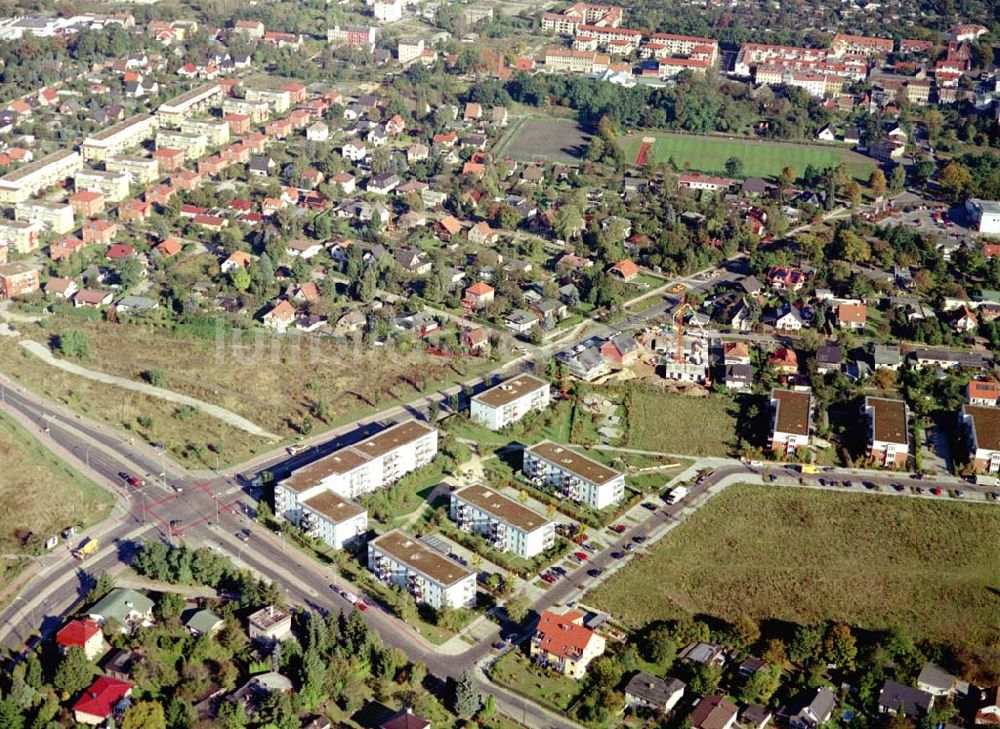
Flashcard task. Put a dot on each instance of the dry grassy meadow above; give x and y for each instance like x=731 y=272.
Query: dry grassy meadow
x=807 y=556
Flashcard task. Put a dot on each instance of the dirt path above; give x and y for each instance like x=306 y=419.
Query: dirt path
x=227 y=416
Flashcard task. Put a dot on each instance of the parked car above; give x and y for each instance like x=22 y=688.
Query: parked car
x=936 y=491
x=362 y=606
x=582 y=556
x=619 y=528
x=595 y=572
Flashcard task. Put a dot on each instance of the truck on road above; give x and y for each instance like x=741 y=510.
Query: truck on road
x=87 y=547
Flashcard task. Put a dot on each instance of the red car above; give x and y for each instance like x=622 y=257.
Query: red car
x=548 y=578
x=619 y=528
x=362 y=605
x=936 y=491
x=582 y=556
x=133 y=481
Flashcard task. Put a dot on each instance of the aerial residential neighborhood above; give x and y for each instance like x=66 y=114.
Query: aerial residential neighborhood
x=389 y=365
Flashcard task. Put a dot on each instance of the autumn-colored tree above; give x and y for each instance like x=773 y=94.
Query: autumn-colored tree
x=877 y=182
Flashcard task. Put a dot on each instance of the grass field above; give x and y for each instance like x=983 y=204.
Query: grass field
x=41 y=495
x=277 y=385
x=806 y=556
x=681 y=424
x=551 y=140
x=760 y=159
x=517 y=672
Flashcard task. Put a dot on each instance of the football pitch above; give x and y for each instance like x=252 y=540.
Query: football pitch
x=760 y=159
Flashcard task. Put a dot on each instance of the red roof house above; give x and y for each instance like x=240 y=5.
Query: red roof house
x=99 y=701
x=84 y=634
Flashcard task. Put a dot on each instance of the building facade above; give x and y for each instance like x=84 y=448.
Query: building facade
x=432 y=578
x=122 y=136
x=573 y=476
x=888 y=436
x=378 y=461
x=509 y=526
x=790 y=421
x=509 y=401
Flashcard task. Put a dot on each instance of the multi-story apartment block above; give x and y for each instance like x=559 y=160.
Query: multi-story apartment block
x=752 y=55
x=586 y=62
x=32 y=178
x=278 y=100
x=189 y=103
x=983 y=427
x=194 y=145
x=790 y=421
x=861 y=45
x=400 y=560
x=258 y=111
x=215 y=130
x=888 y=436
x=605 y=37
x=409 y=49
x=122 y=136
x=509 y=401
x=354 y=36
x=20 y=235
x=573 y=475
x=378 y=461
x=666 y=45
x=566 y=23
x=54 y=216
x=333 y=519
x=18 y=279
x=113 y=185
x=509 y=526
x=141 y=171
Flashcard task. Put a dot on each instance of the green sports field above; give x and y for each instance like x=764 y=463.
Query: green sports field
x=760 y=159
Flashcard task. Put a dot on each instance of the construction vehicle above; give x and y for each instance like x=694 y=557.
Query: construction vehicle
x=87 y=547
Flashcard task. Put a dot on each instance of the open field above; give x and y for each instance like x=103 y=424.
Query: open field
x=279 y=383
x=760 y=159
x=681 y=424
x=806 y=556
x=40 y=494
x=550 y=140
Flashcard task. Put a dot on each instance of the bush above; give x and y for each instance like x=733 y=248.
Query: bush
x=73 y=344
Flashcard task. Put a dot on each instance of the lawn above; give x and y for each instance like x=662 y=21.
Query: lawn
x=41 y=495
x=805 y=556
x=681 y=424
x=760 y=159
x=518 y=673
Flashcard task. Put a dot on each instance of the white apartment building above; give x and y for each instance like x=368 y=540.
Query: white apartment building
x=378 y=461
x=194 y=145
x=790 y=421
x=117 y=138
x=333 y=519
x=388 y=11
x=572 y=475
x=141 y=171
x=586 y=62
x=215 y=130
x=113 y=185
x=509 y=401
x=53 y=216
x=400 y=560
x=21 y=236
x=258 y=111
x=278 y=101
x=189 y=103
x=409 y=49
x=27 y=181
x=509 y=526
x=984 y=214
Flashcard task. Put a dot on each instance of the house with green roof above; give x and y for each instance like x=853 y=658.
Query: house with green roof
x=127 y=606
x=203 y=622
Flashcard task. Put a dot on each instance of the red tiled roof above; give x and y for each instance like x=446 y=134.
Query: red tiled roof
x=77 y=633
x=563 y=635
x=102 y=696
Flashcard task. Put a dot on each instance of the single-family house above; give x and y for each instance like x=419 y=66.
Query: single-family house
x=84 y=634
x=621 y=349
x=897 y=698
x=645 y=691
x=714 y=712
x=101 y=701
x=812 y=709
x=280 y=316
x=124 y=605
x=852 y=316
x=563 y=644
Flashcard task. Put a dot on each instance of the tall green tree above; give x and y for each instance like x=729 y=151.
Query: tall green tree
x=74 y=672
